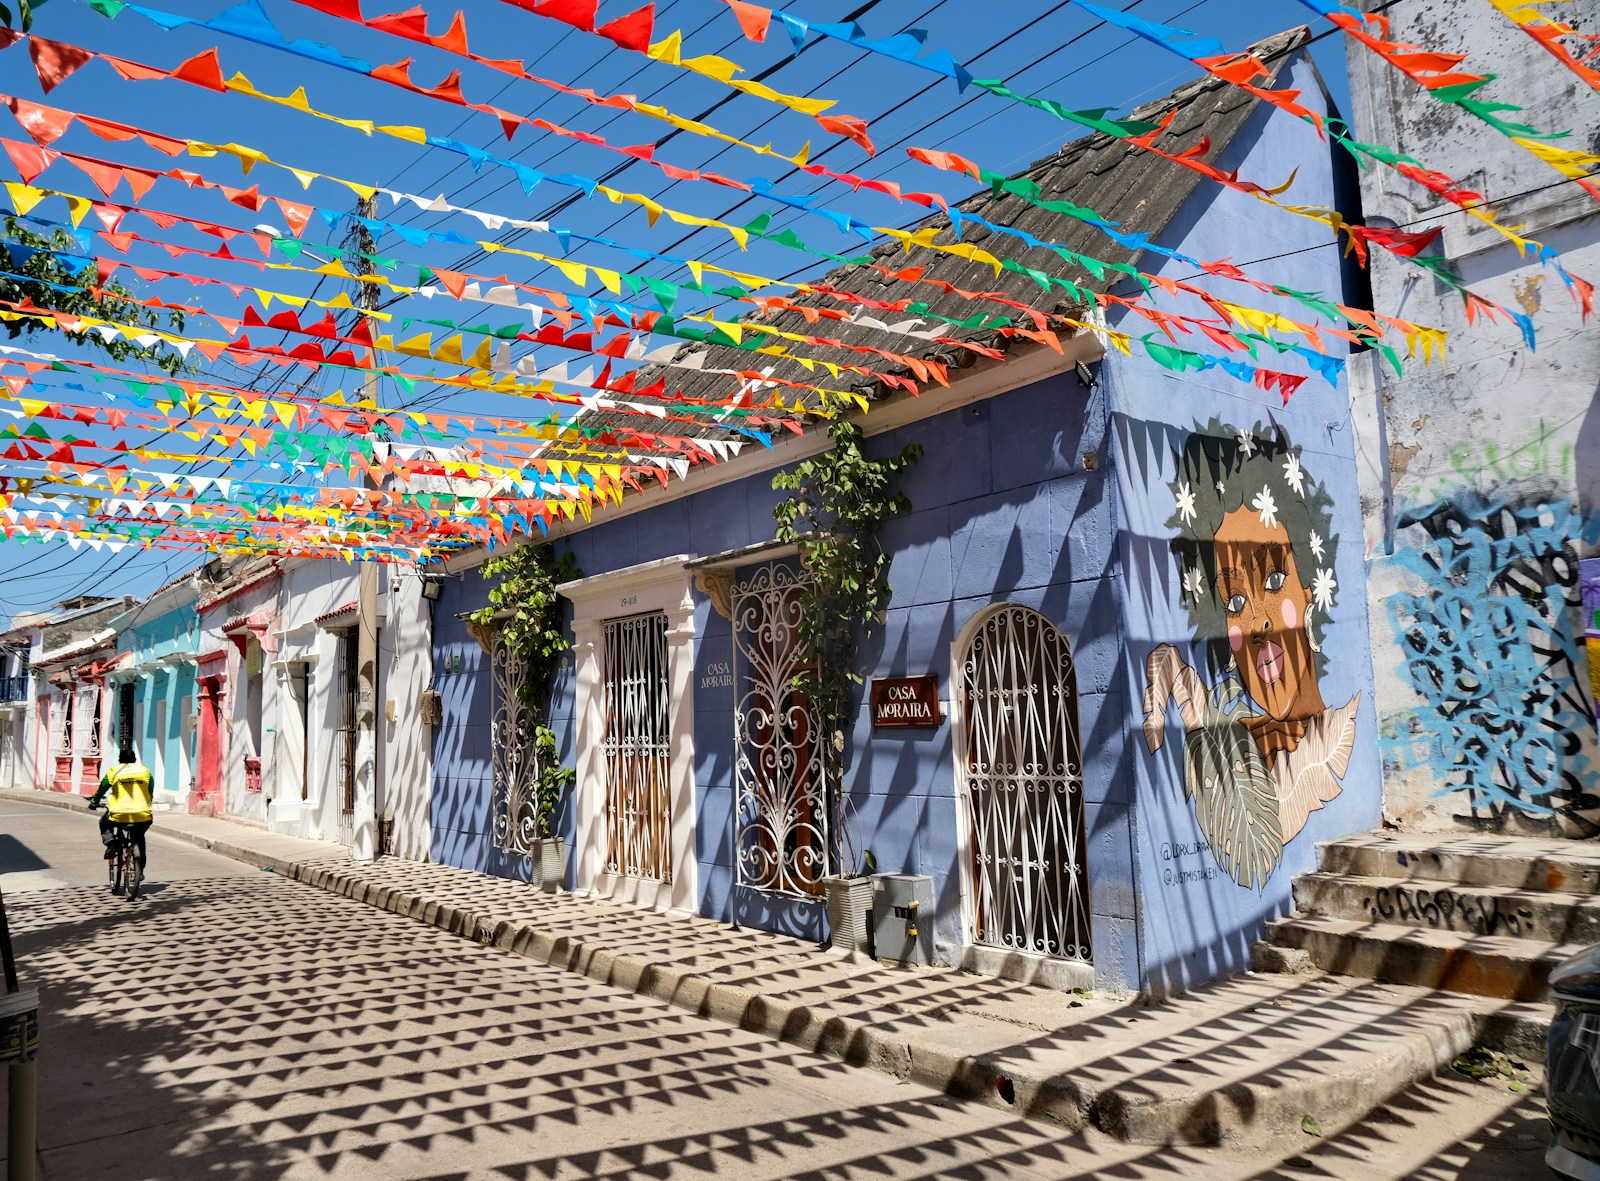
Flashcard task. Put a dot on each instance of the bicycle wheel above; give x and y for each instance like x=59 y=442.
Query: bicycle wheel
x=133 y=874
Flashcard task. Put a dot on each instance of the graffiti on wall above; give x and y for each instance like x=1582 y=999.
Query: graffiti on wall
x=1255 y=561
x=1491 y=642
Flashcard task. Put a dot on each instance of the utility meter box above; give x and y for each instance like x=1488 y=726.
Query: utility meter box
x=902 y=917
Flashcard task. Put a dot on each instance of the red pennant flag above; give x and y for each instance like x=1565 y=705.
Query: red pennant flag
x=203 y=69
x=295 y=214
x=850 y=127
x=55 y=62
x=753 y=19
x=450 y=89
x=28 y=159
x=161 y=143
x=412 y=24
x=133 y=71
x=349 y=10
x=455 y=37
x=250 y=198
x=454 y=282
x=106 y=177
x=44 y=124
x=578 y=13
x=140 y=182
x=327 y=327
x=631 y=31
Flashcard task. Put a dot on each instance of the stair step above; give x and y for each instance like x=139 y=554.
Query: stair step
x=1480 y=965
x=1571 y=867
x=1543 y=916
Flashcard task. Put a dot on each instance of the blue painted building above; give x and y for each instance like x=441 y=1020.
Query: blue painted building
x=153 y=687
x=1125 y=575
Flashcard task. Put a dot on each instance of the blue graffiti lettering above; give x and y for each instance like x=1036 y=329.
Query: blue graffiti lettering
x=1490 y=646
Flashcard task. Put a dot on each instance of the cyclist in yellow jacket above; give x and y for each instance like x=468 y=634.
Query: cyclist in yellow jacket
x=131 y=787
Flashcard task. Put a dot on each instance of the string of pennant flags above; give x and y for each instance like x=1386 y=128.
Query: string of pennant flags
x=96 y=455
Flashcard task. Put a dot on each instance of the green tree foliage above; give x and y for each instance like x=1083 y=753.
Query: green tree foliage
x=526 y=580
x=838 y=502
x=24 y=10
x=29 y=254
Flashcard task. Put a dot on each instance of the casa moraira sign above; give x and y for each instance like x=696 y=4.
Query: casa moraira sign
x=905 y=701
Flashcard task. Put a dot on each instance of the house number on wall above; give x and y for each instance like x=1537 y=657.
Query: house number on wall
x=629 y=601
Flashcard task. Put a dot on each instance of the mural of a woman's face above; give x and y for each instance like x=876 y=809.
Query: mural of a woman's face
x=1265 y=601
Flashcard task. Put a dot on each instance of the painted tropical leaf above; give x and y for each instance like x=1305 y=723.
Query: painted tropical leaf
x=1318 y=764
x=1235 y=801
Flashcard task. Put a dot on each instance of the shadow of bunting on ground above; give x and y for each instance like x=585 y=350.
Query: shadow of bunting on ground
x=257 y=1029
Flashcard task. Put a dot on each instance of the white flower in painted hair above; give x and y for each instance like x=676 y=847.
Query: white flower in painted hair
x=1316 y=545
x=1194 y=582
x=1322 y=588
x=1185 y=498
x=1267 y=507
x=1247 y=443
x=1293 y=473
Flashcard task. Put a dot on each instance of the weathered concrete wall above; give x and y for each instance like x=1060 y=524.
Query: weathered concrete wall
x=1481 y=476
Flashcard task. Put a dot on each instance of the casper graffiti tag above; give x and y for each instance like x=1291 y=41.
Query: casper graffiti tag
x=1491 y=647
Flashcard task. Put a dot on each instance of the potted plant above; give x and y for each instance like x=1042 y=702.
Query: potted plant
x=838 y=501
x=521 y=630
x=849 y=897
x=550 y=780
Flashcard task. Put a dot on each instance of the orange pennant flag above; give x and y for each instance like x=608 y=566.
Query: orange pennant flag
x=753 y=19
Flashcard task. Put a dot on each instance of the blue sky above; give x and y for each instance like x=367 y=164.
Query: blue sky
x=1049 y=50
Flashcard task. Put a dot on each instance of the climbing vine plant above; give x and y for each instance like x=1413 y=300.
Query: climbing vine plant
x=838 y=501
x=526 y=580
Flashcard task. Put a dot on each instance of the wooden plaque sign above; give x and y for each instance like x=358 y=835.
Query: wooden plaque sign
x=905 y=701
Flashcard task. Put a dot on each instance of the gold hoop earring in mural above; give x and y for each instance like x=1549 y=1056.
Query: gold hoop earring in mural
x=1255 y=554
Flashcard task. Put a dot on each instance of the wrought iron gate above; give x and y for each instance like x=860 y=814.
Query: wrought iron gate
x=780 y=813
x=637 y=748
x=1023 y=787
x=516 y=818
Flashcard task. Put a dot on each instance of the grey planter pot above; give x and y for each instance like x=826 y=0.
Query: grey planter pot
x=549 y=863
x=850 y=913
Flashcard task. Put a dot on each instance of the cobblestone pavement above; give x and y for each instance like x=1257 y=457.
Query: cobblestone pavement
x=254 y=1027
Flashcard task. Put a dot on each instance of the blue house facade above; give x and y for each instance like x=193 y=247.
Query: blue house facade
x=1151 y=693
x=153 y=682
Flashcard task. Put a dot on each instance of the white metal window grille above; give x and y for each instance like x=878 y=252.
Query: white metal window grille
x=346 y=685
x=1023 y=787
x=511 y=746
x=89 y=717
x=638 y=813
x=61 y=723
x=780 y=817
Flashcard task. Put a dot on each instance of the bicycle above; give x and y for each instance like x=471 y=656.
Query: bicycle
x=122 y=867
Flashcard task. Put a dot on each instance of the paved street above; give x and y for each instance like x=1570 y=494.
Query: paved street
x=234 y=1024
x=46 y=848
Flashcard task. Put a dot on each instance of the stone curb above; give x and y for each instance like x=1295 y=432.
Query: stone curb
x=1234 y=1114
x=71 y=801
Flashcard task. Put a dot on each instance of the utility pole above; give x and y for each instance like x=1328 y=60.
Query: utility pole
x=365 y=819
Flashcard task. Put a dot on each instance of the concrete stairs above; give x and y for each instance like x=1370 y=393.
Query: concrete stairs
x=1484 y=916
